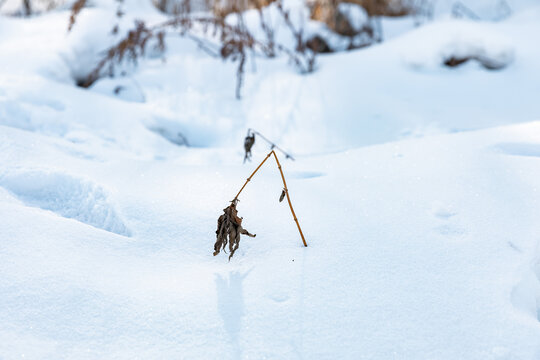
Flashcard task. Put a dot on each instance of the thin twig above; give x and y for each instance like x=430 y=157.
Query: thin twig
x=274 y=146
x=203 y=45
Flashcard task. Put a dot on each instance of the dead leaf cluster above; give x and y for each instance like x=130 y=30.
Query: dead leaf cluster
x=229 y=229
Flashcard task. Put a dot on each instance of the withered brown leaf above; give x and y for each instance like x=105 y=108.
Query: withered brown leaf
x=229 y=228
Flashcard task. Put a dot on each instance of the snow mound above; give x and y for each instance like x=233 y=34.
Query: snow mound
x=454 y=42
x=27 y=112
x=66 y=196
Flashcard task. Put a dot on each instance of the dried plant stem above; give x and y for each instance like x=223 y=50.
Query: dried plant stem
x=253 y=173
x=288 y=198
x=285 y=189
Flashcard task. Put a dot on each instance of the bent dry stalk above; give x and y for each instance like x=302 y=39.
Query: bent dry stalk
x=230 y=224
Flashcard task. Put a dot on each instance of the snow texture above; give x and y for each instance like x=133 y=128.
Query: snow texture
x=67 y=196
x=416 y=186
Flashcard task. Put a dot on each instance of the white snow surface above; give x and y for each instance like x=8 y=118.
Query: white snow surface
x=417 y=188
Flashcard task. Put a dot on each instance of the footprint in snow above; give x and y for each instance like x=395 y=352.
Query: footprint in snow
x=279 y=297
x=449 y=230
x=444 y=214
x=448 y=226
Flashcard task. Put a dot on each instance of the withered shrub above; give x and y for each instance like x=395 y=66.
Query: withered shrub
x=130 y=48
x=211 y=33
x=33 y=7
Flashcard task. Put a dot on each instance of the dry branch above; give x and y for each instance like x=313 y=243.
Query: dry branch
x=231 y=42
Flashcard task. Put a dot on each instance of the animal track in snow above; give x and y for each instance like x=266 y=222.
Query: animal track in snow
x=444 y=214
x=66 y=196
x=447 y=225
x=449 y=230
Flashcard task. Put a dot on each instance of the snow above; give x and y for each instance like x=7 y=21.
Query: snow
x=416 y=186
x=67 y=196
x=123 y=88
x=436 y=43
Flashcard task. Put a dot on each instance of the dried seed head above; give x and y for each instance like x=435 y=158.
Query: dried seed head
x=248 y=144
x=282 y=195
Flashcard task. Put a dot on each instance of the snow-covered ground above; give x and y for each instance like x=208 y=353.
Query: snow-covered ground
x=416 y=186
